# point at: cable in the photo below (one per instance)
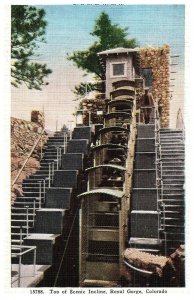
(59, 269)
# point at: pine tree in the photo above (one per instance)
(27, 31)
(108, 36)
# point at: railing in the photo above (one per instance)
(159, 182)
(158, 165)
(29, 155)
(14, 254)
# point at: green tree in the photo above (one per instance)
(27, 31)
(108, 36)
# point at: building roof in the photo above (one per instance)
(134, 51)
(110, 192)
(111, 166)
(118, 50)
(108, 145)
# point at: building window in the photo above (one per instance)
(118, 69)
(147, 75)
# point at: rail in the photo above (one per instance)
(14, 253)
(123, 216)
(29, 155)
(141, 271)
(154, 118)
(159, 168)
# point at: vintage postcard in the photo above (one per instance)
(97, 148)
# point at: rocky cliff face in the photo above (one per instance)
(24, 135)
(158, 59)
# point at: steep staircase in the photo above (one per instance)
(24, 209)
(46, 216)
(172, 202)
(144, 214)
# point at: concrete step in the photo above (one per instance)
(170, 130)
(144, 224)
(144, 160)
(20, 209)
(38, 176)
(65, 178)
(28, 198)
(144, 243)
(22, 216)
(173, 221)
(33, 181)
(174, 228)
(49, 220)
(144, 178)
(56, 138)
(46, 161)
(169, 142)
(152, 251)
(37, 193)
(173, 160)
(15, 242)
(33, 184)
(30, 204)
(172, 189)
(42, 172)
(173, 176)
(55, 143)
(17, 222)
(59, 198)
(27, 189)
(173, 172)
(78, 146)
(16, 229)
(171, 138)
(145, 131)
(82, 133)
(50, 156)
(173, 195)
(172, 155)
(174, 214)
(144, 199)
(171, 201)
(173, 151)
(173, 236)
(173, 167)
(42, 242)
(72, 161)
(172, 163)
(145, 145)
(174, 207)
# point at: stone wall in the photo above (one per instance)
(159, 60)
(23, 136)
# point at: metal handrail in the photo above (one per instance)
(159, 176)
(29, 155)
(137, 269)
(20, 254)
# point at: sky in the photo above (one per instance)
(68, 30)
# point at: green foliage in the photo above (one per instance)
(27, 31)
(108, 36)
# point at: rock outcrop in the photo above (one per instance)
(158, 59)
(24, 135)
